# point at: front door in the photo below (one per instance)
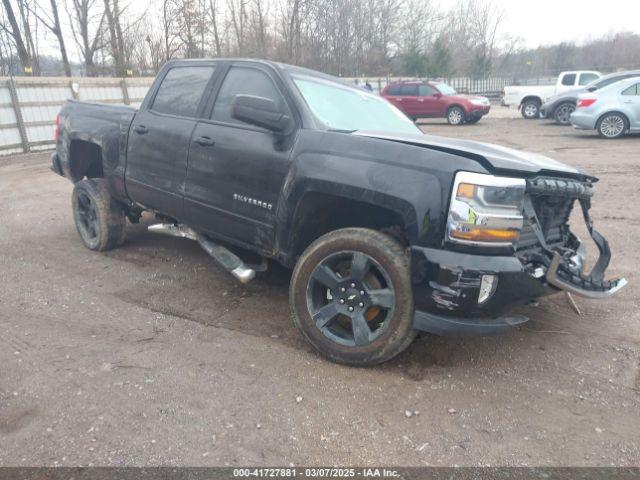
(160, 137)
(429, 102)
(235, 170)
(631, 100)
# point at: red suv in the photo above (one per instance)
(436, 100)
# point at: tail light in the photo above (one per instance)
(57, 134)
(585, 102)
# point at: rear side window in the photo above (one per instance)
(181, 91)
(426, 90)
(587, 78)
(244, 81)
(394, 90)
(609, 81)
(632, 90)
(569, 79)
(409, 90)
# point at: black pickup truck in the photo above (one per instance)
(388, 231)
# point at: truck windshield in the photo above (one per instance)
(341, 107)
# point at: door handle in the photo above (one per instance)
(421, 99)
(141, 129)
(628, 101)
(399, 99)
(205, 141)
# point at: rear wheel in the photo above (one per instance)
(455, 116)
(99, 218)
(563, 113)
(351, 296)
(612, 125)
(530, 109)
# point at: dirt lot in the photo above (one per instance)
(151, 355)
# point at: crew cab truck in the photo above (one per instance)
(388, 231)
(529, 99)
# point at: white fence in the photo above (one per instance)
(29, 105)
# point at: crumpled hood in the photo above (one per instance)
(498, 157)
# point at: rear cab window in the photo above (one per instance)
(181, 90)
(569, 79)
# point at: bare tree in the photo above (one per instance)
(21, 37)
(87, 19)
(52, 22)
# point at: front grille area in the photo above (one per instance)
(553, 199)
(553, 214)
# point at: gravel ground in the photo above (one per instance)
(151, 355)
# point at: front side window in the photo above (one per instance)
(181, 91)
(426, 91)
(569, 79)
(244, 81)
(586, 78)
(341, 107)
(632, 90)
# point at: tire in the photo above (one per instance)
(612, 125)
(530, 109)
(455, 116)
(473, 120)
(563, 112)
(379, 296)
(99, 218)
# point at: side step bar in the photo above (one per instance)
(227, 259)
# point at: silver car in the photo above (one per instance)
(612, 111)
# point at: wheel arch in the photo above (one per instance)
(322, 210)
(534, 98)
(85, 159)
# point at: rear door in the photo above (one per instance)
(236, 171)
(409, 98)
(393, 94)
(631, 101)
(160, 138)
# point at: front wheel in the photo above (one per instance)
(455, 116)
(563, 113)
(612, 125)
(351, 296)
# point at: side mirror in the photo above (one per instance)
(592, 89)
(437, 95)
(262, 112)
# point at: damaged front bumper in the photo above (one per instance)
(461, 294)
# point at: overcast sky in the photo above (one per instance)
(537, 22)
(542, 22)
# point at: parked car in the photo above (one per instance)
(529, 99)
(561, 106)
(388, 231)
(419, 99)
(612, 111)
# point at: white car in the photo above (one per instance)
(612, 111)
(528, 99)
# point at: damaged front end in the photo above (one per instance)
(558, 252)
(509, 242)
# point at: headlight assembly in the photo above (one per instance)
(485, 210)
